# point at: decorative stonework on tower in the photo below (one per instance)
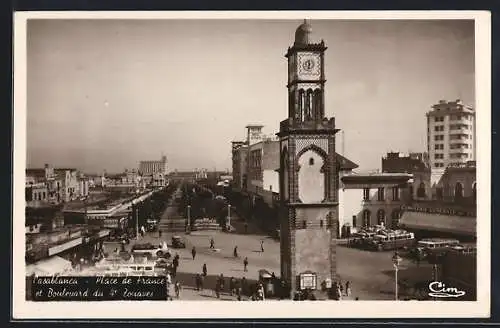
(308, 171)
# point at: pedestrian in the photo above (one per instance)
(202, 281)
(244, 285)
(177, 289)
(197, 280)
(232, 287)
(175, 265)
(238, 294)
(217, 289)
(204, 269)
(169, 279)
(341, 286)
(262, 246)
(193, 252)
(339, 292)
(245, 264)
(356, 299)
(246, 227)
(212, 243)
(222, 282)
(348, 288)
(159, 233)
(235, 252)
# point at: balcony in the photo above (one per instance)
(325, 126)
(464, 151)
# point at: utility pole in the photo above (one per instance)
(136, 222)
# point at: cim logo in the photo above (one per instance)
(439, 290)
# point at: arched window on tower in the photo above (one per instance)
(294, 111)
(317, 105)
(309, 103)
(301, 108)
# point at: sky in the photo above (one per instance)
(106, 94)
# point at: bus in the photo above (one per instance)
(436, 243)
(392, 240)
(428, 246)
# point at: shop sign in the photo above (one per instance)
(439, 210)
(308, 280)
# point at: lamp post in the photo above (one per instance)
(396, 260)
(189, 217)
(229, 215)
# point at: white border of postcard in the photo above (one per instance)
(23, 309)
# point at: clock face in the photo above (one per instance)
(309, 65)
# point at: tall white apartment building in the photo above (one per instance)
(451, 134)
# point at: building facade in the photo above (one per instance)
(151, 167)
(451, 140)
(61, 184)
(373, 199)
(308, 172)
(238, 156)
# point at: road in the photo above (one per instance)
(371, 274)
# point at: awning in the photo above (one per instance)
(460, 225)
(49, 267)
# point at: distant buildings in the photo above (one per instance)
(151, 167)
(154, 172)
(397, 162)
(451, 140)
(50, 185)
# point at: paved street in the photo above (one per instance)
(370, 273)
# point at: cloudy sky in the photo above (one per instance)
(105, 94)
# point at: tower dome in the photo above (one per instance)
(303, 34)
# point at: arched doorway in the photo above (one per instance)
(366, 218)
(459, 191)
(395, 216)
(381, 217)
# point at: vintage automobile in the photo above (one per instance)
(150, 251)
(163, 263)
(178, 242)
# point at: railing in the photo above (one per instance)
(290, 125)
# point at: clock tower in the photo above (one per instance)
(308, 172)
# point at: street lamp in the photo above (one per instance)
(396, 260)
(229, 215)
(189, 217)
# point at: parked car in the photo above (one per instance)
(178, 242)
(150, 251)
(163, 263)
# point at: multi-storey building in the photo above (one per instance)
(150, 167)
(238, 152)
(450, 134)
